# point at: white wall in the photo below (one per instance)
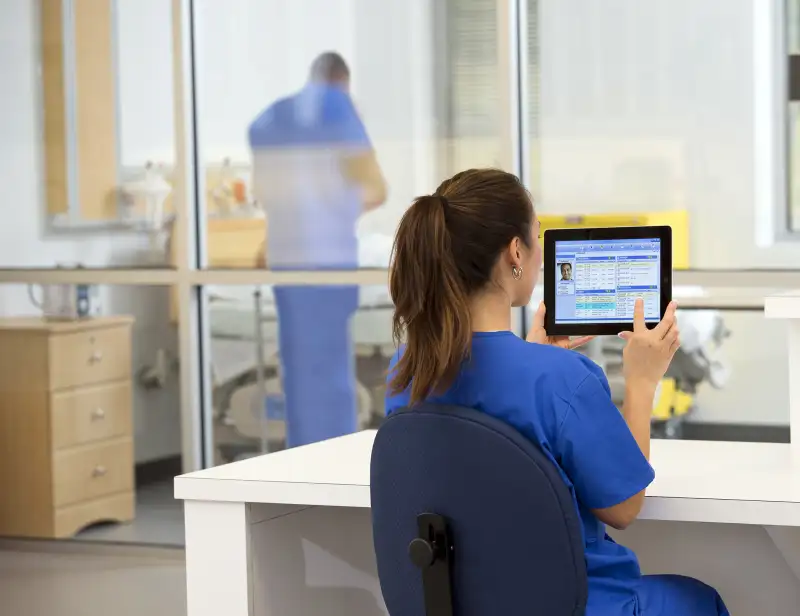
(145, 81)
(649, 106)
(25, 242)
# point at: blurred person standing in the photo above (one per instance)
(315, 173)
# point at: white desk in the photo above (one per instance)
(290, 533)
(787, 307)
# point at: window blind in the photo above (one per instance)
(473, 76)
(472, 27)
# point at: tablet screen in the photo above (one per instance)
(598, 281)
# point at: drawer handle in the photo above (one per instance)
(99, 471)
(98, 414)
(96, 357)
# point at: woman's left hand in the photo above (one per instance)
(537, 335)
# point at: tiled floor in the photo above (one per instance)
(84, 584)
(159, 520)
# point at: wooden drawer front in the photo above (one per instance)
(89, 357)
(92, 471)
(115, 508)
(94, 414)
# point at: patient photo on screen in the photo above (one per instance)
(566, 283)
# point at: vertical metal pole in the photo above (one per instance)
(261, 378)
(508, 66)
(196, 408)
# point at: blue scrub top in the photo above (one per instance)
(561, 401)
(298, 144)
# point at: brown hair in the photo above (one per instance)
(444, 252)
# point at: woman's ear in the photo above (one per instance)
(515, 253)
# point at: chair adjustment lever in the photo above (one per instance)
(432, 552)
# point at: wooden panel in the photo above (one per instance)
(233, 243)
(90, 357)
(53, 93)
(23, 361)
(97, 109)
(26, 503)
(92, 471)
(89, 415)
(116, 508)
(94, 92)
(61, 326)
(236, 242)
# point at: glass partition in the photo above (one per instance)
(728, 381)
(664, 112)
(318, 356)
(324, 120)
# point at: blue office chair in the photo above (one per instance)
(470, 518)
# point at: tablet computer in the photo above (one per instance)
(592, 278)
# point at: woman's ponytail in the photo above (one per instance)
(432, 313)
(446, 252)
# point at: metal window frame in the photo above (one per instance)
(772, 122)
(789, 92)
(190, 278)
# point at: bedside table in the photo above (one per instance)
(66, 433)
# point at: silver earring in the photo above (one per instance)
(516, 272)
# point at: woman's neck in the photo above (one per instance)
(490, 312)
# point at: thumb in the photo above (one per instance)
(625, 335)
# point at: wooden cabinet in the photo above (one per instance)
(66, 433)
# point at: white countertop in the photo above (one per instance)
(783, 306)
(747, 483)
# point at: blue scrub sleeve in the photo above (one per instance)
(352, 133)
(597, 450)
(349, 130)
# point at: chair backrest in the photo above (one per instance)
(518, 544)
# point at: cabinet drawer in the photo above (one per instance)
(117, 507)
(92, 471)
(93, 414)
(88, 357)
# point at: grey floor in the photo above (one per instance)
(102, 572)
(43, 583)
(159, 520)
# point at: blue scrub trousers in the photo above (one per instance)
(318, 361)
(674, 595)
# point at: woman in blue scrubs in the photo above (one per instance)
(463, 257)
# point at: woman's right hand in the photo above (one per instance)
(648, 352)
